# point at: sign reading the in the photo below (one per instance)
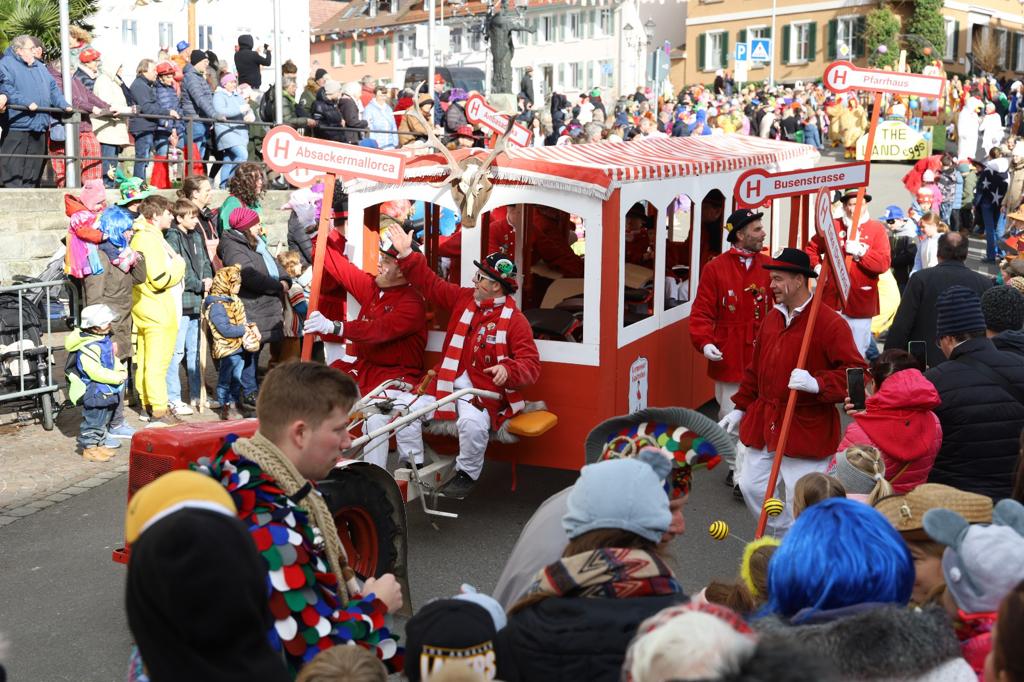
(286, 151)
(827, 227)
(842, 76)
(483, 114)
(761, 50)
(638, 385)
(896, 141)
(757, 186)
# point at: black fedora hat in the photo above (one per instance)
(791, 260)
(852, 194)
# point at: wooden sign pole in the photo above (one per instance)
(319, 255)
(858, 209)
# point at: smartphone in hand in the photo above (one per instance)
(855, 387)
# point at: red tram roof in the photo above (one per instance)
(596, 169)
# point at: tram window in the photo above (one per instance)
(712, 226)
(552, 271)
(436, 229)
(638, 263)
(677, 251)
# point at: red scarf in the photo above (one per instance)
(447, 371)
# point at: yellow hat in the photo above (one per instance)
(174, 490)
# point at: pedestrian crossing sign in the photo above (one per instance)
(761, 49)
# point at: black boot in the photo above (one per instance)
(458, 486)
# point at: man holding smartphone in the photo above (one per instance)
(772, 373)
(732, 300)
(249, 61)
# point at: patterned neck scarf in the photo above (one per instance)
(612, 572)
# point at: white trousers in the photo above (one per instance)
(473, 425)
(376, 451)
(757, 469)
(860, 327)
(724, 391)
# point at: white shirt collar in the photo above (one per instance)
(790, 316)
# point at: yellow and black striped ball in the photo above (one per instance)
(774, 506)
(719, 530)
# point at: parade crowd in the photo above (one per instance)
(895, 545)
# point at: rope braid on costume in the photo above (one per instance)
(261, 450)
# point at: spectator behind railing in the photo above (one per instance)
(86, 102)
(111, 131)
(25, 81)
(197, 98)
(144, 129)
(231, 138)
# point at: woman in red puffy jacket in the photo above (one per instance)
(899, 421)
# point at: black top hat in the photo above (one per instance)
(738, 220)
(792, 260)
(500, 268)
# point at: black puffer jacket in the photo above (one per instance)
(261, 293)
(1011, 341)
(568, 639)
(981, 420)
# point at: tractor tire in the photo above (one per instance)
(363, 515)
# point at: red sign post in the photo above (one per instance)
(306, 160)
(757, 186)
(478, 111)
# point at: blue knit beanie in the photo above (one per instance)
(625, 494)
(959, 312)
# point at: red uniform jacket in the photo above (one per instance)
(390, 335)
(863, 301)
(332, 292)
(523, 361)
(728, 313)
(764, 390)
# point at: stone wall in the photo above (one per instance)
(33, 223)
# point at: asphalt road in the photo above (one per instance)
(61, 596)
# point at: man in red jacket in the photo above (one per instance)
(388, 338)
(767, 380)
(731, 302)
(488, 345)
(870, 254)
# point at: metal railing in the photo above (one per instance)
(27, 374)
(186, 161)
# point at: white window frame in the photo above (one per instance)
(166, 31)
(574, 27)
(205, 36)
(606, 22)
(380, 50)
(1019, 37)
(713, 50)
(475, 41)
(130, 32)
(949, 26)
(607, 80)
(455, 38)
(406, 46)
(546, 27)
(796, 31)
(358, 52)
(846, 33)
(338, 54)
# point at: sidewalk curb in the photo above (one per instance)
(9, 515)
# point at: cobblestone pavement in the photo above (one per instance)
(40, 468)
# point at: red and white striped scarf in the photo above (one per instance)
(447, 372)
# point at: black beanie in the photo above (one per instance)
(1003, 308)
(197, 56)
(197, 602)
(958, 312)
(245, 41)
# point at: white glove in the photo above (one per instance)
(731, 421)
(712, 353)
(801, 380)
(856, 249)
(316, 323)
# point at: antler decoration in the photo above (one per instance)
(470, 179)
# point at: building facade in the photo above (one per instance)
(127, 32)
(572, 48)
(812, 34)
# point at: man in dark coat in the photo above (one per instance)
(915, 318)
(982, 412)
(526, 86)
(249, 61)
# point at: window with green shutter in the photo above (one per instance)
(786, 30)
(812, 42)
(830, 46)
(702, 41)
(859, 49)
(741, 37)
(723, 60)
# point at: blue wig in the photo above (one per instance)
(839, 553)
(114, 222)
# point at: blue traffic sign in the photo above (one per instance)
(741, 52)
(761, 49)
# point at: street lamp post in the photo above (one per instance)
(649, 32)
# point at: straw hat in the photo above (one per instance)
(906, 512)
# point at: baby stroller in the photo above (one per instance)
(27, 308)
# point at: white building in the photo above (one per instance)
(127, 31)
